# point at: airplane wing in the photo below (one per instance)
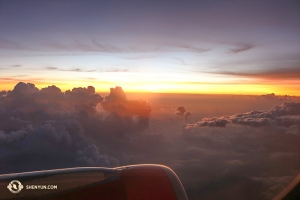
(134, 182)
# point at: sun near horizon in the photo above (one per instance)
(192, 47)
(171, 88)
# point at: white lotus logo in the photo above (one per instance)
(15, 186)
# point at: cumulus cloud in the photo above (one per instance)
(91, 156)
(181, 111)
(288, 114)
(66, 129)
(218, 122)
(273, 96)
(268, 96)
(48, 146)
(135, 112)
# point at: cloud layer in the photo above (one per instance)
(248, 155)
(256, 151)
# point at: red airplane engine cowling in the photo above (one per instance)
(134, 182)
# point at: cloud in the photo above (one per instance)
(232, 153)
(24, 89)
(216, 122)
(41, 124)
(181, 111)
(240, 47)
(91, 156)
(183, 62)
(28, 106)
(7, 44)
(63, 126)
(273, 185)
(69, 70)
(84, 70)
(16, 65)
(117, 70)
(47, 146)
(51, 68)
(95, 46)
(133, 111)
(266, 141)
(268, 96)
(286, 73)
(216, 158)
(142, 57)
(286, 115)
(3, 93)
(194, 49)
(272, 96)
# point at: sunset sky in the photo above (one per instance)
(216, 47)
(209, 88)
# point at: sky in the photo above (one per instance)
(204, 47)
(207, 88)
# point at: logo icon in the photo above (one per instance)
(15, 186)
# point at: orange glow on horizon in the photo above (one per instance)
(179, 88)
